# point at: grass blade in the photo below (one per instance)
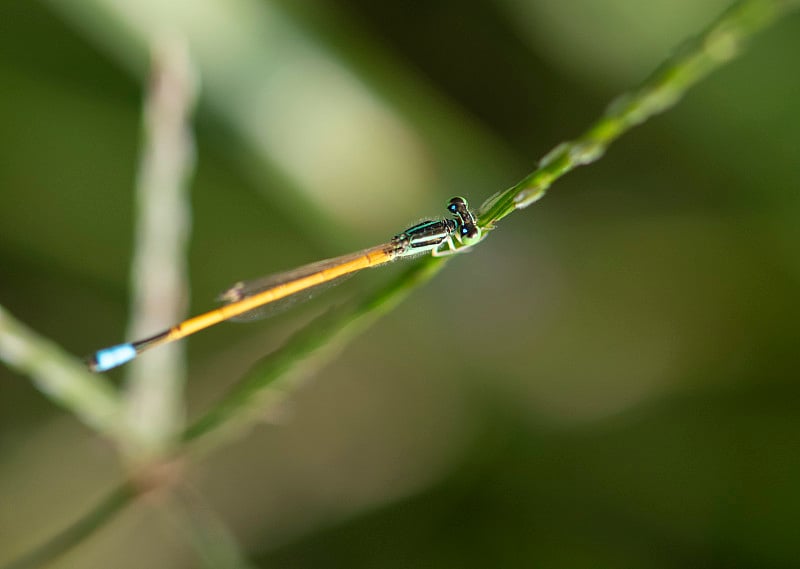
(59, 375)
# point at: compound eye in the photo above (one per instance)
(457, 201)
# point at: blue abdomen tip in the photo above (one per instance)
(112, 357)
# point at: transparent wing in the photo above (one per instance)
(278, 306)
(245, 289)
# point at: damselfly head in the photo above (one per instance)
(467, 226)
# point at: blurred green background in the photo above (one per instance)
(610, 380)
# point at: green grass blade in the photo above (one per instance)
(277, 373)
(104, 512)
(720, 43)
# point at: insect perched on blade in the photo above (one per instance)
(247, 300)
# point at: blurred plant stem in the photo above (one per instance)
(721, 42)
(154, 390)
(96, 519)
(214, 545)
(59, 376)
(270, 379)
